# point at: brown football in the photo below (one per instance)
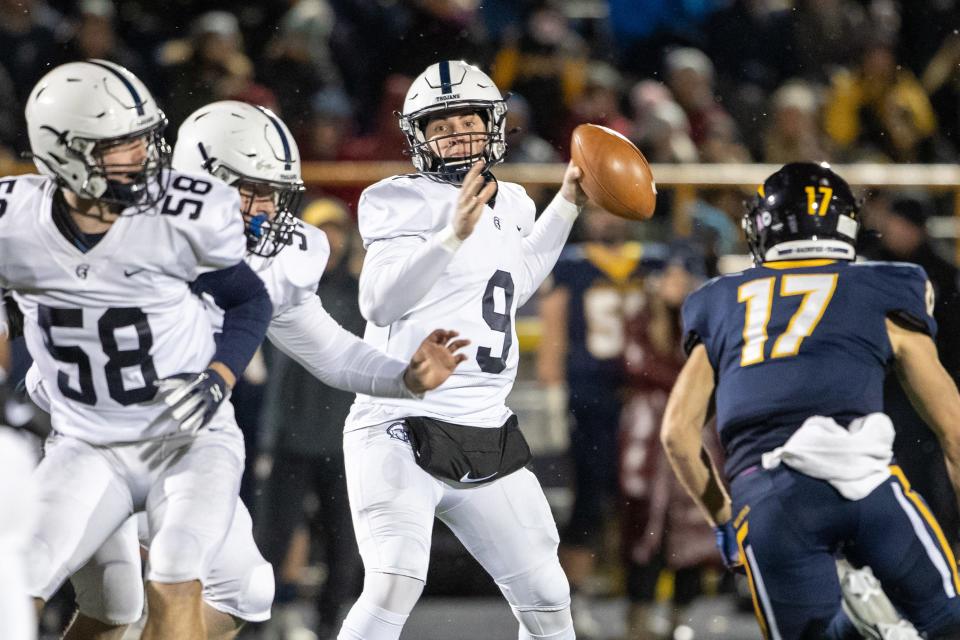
(616, 176)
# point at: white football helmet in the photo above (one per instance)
(79, 108)
(243, 144)
(447, 87)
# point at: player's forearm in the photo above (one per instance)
(396, 277)
(699, 476)
(246, 314)
(681, 435)
(335, 356)
(931, 391)
(544, 244)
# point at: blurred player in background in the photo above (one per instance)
(797, 348)
(450, 243)
(306, 462)
(662, 530)
(250, 149)
(135, 381)
(594, 288)
(16, 515)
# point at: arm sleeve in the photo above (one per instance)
(695, 326)
(908, 297)
(543, 246)
(309, 335)
(398, 273)
(246, 313)
(407, 250)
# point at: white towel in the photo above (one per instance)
(855, 460)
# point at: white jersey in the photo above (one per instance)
(104, 325)
(292, 276)
(303, 329)
(475, 289)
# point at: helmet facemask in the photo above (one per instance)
(427, 154)
(130, 188)
(267, 232)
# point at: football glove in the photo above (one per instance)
(193, 398)
(727, 544)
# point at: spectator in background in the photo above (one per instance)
(662, 132)
(211, 65)
(794, 134)
(661, 528)
(93, 35)
(722, 143)
(838, 29)
(690, 77)
(12, 125)
(546, 63)
(386, 141)
(328, 127)
(941, 81)
(595, 286)
(525, 144)
(304, 419)
(881, 109)
(901, 222)
(646, 94)
(641, 35)
(27, 31)
(751, 43)
(298, 61)
(599, 103)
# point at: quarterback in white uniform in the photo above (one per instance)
(451, 244)
(251, 149)
(100, 252)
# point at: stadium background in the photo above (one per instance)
(717, 93)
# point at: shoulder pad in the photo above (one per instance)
(303, 263)
(393, 208)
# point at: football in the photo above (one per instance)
(616, 176)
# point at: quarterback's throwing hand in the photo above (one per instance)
(570, 189)
(193, 398)
(434, 361)
(475, 193)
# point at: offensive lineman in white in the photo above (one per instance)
(450, 243)
(16, 512)
(251, 149)
(101, 251)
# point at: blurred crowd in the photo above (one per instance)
(707, 80)
(713, 81)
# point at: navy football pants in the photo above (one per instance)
(791, 526)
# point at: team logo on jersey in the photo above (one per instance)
(82, 271)
(398, 431)
(496, 222)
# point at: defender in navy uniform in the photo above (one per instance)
(595, 287)
(796, 349)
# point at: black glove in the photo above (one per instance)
(193, 398)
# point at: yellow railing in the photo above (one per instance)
(683, 179)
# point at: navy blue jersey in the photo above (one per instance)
(806, 338)
(604, 286)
